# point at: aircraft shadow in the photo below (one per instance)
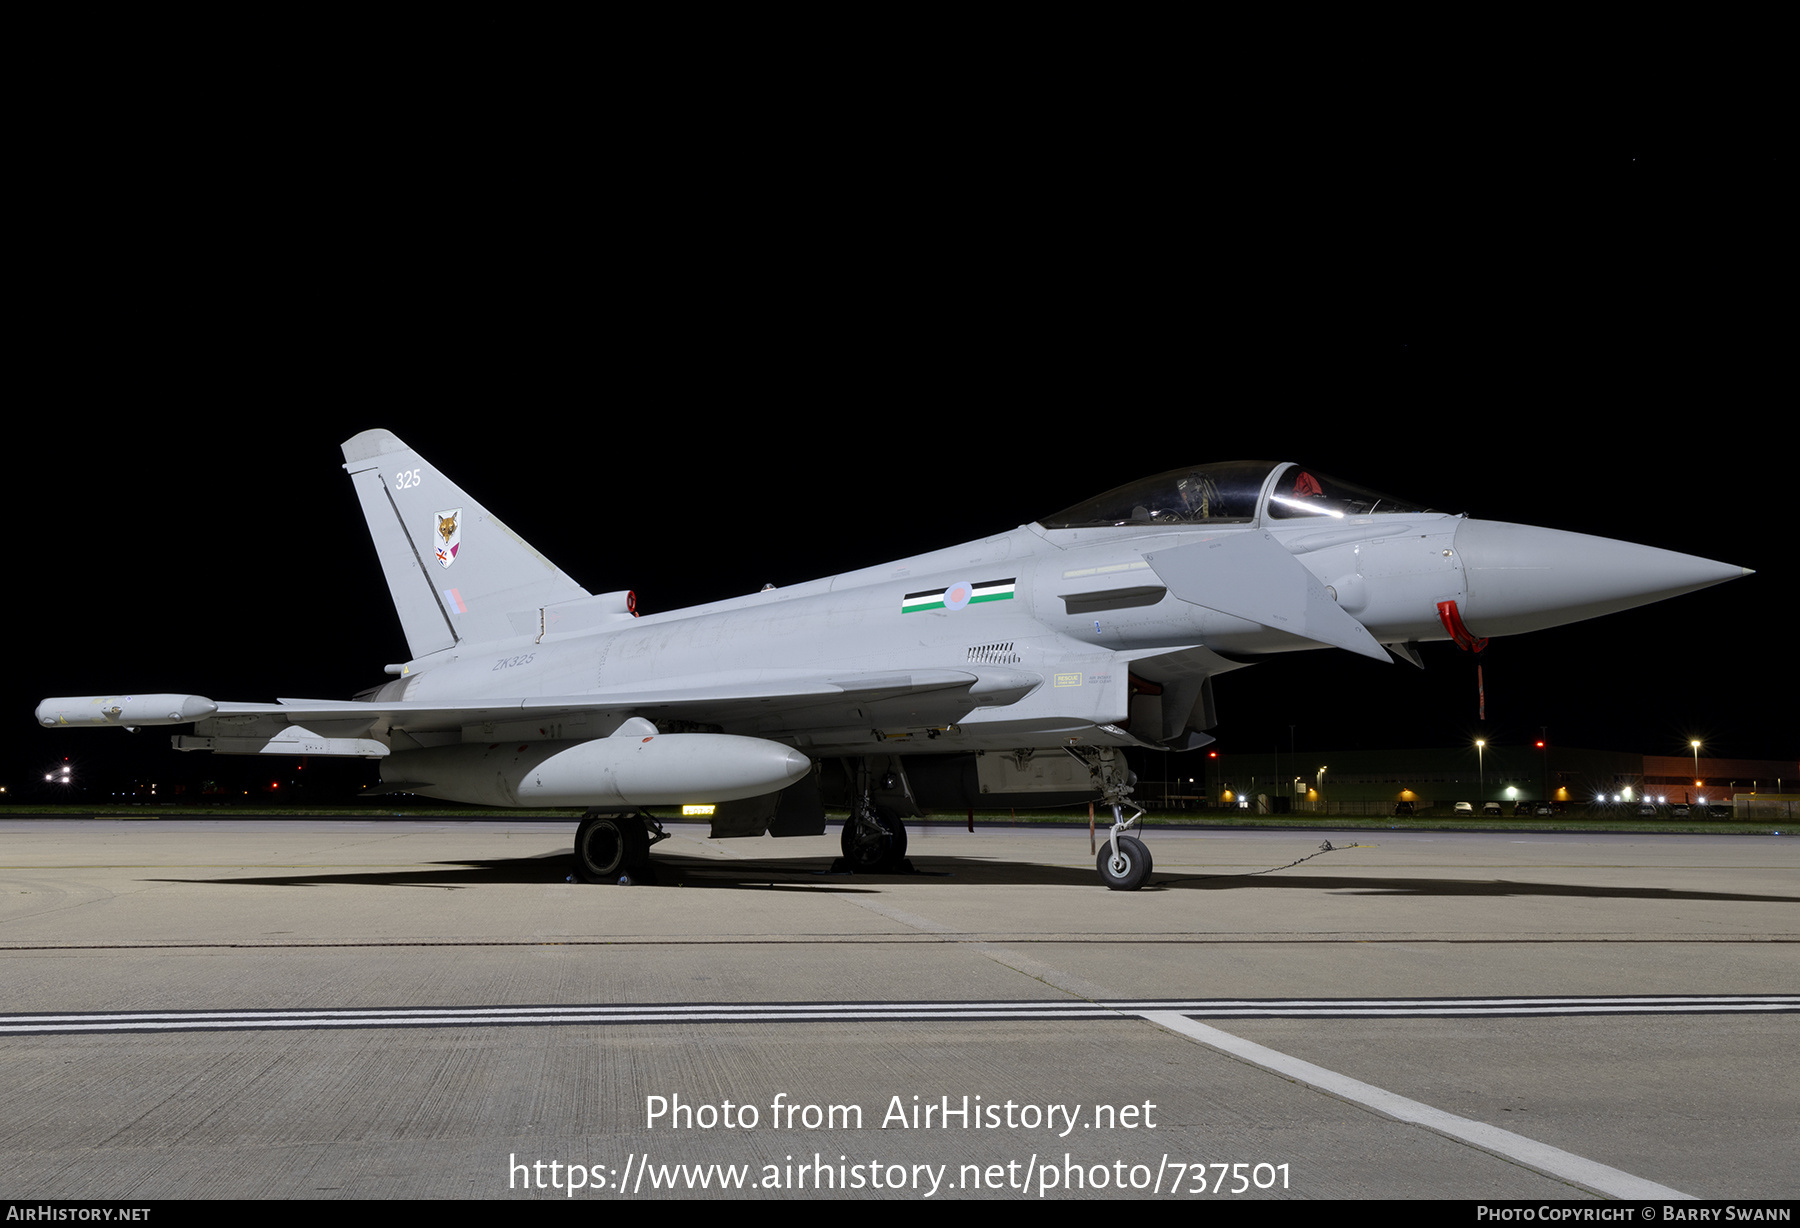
(1495, 888)
(815, 874)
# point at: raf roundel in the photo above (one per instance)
(957, 595)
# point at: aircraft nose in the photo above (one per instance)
(1521, 578)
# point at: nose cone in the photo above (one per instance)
(1521, 578)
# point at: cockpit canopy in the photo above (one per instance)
(1230, 492)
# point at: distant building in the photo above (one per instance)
(1371, 781)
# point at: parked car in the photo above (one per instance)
(1491, 809)
(1680, 811)
(1646, 810)
(1464, 808)
(1543, 808)
(1403, 808)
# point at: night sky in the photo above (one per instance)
(692, 410)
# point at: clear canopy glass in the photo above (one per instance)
(1226, 493)
(1201, 494)
(1307, 492)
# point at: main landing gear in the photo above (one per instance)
(874, 836)
(1124, 863)
(615, 848)
(874, 841)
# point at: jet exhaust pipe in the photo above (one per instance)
(623, 770)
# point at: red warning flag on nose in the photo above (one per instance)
(1465, 639)
(1453, 623)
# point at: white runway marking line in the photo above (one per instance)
(1551, 1161)
(1447, 1008)
(751, 1012)
(1172, 1015)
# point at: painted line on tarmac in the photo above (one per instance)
(1551, 1161)
(1174, 1015)
(565, 1014)
(1440, 1008)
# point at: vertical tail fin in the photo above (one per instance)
(455, 572)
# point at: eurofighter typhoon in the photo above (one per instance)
(1010, 670)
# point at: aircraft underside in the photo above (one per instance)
(879, 793)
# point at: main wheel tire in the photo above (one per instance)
(609, 847)
(1130, 870)
(875, 852)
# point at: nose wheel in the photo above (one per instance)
(1126, 867)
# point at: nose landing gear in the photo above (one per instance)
(1124, 863)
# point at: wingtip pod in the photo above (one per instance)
(124, 710)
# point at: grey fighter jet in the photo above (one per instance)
(1011, 669)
